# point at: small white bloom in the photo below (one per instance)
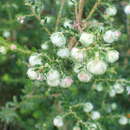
(111, 11)
(58, 121)
(97, 67)
(84, 76)
(6, 34)
(113, 106)
(112, 93)
(63, 53)
(76, 128)
(118, 88)
(109, 36)
(127, 9)
(86, 38)
(33, 75)
(88, 107)
(44, 46)
(3, 50)
(77, 54)
(53, 75)
(112, 56)
(95, 115)
(35, 59)
(53, 78)
(58, 39)
(66, 82)
(99, 87)
(53, 83)
(123, 120)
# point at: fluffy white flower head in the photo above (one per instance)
(6, 34)
(33, 75)
(127, 9)
(123, 120)
(109, 36)
(97, 67)
(86, 38)
(77, 54)
(95, 115)
(58, 121)
(63, 53)
(58, 39)
(53, 78)
(84, 76)
(66, 82)
(44, 46)
(3, 50)
(35, 59)
(112, 93)
(111, 11)
(118, 88)
(112, 56)
(88, 107)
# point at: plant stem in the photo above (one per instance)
(93, 9)
(59, 15)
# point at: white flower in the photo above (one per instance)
(84, 76)
(53, 75)
(111, 11)
(32, 74)
(3, 50)
(53, 78)
(99, 87)
(44, 46)
(118, 88)
(95, 115)
(68, 23)
(58, 39)
(88, 107)
(112, 93)
(35, 59)
(63, 52)
(127, 9)
(123, 120)
(6, 34)
(97, 67)
(76, 128)
(113, 106)
(86, 38)
(66, 82)
(53, 83)
(77, 54)
(112, 56)
(58, 121)
(109, 36)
